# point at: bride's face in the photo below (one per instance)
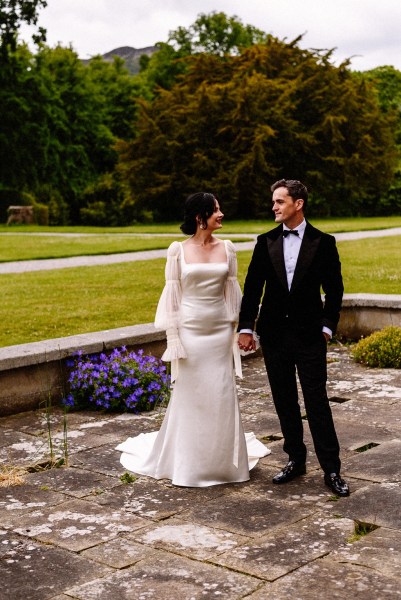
(214, 221)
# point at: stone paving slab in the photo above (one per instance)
(379, 550)
(120, 552)
(354, 438)
(76, 525)
(116, 430)
(382, 463)
(157, 500)
(124, 425)
(325, 578)
(387, 416)
(35, 423)
(73, 482)
(168, 577)
(274, 556)
(20, 449)
(21, 499)
(33, 571)
(25, 449)
(263, 423)
(252, 517)
(190, 539)
(377, 504)
(104, 460)
(80, 439)
(381, 386)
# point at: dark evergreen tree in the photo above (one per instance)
(234, 124)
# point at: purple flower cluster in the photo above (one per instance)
(128, 381)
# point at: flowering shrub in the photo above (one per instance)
(380, 349)
(118, 381)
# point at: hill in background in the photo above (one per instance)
(130, 55)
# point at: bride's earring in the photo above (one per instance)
(201, 226)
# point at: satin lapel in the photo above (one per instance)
(276, 253)
(305, 257)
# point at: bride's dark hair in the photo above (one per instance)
(198, 208)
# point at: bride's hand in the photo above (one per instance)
(246, 342)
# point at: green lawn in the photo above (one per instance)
(372, 265)
(49, 304)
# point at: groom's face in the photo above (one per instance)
(286, 209)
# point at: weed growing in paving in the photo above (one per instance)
(360, 530)
(127, 478)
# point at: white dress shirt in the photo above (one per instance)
(291, 247)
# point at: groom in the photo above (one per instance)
(289, 267)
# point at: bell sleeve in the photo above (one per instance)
(233, 297)
(168, 308)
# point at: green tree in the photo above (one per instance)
(13, 13)
(386, 81)
(76, 143)
(234, 124)
(213, 33)
(116, 92)
(216, 33)
(162, 69)
(18, 129)
(60, 122)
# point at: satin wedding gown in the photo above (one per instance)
(201, 441)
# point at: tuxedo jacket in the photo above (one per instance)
(301, 308)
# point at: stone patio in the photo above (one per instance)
(80, 532)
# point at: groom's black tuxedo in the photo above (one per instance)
(301, 308)
(290, 326)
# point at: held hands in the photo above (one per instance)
(246, 342)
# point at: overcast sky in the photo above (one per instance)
(367, 30)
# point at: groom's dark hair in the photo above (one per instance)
(296, 189)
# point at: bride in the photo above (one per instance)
(201, 441)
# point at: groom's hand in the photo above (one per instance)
(246, 342)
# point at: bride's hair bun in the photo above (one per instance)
(198, 208)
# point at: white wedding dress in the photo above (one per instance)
(201, 441)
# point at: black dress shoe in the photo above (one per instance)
(337, 485)
(291, 470)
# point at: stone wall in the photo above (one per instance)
(32, 373)
(362, 314)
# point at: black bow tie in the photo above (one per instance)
(288, 231)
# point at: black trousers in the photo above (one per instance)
(283, 359)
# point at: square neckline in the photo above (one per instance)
(220, 262)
